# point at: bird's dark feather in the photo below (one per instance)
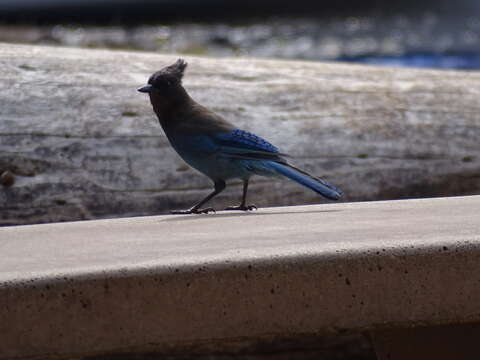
(214, 146)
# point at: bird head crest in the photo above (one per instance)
(169, 76)
(177, 68)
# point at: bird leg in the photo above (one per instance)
(195, 209)
(243, 205)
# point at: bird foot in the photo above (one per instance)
(242, 207)
(193, 211)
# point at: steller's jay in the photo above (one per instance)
(214, 146)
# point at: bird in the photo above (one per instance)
(214, 146)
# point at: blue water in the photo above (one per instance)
(439, 37)
(422, 60)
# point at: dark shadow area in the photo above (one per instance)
(224, 214)
(308, 347)
(111, 12)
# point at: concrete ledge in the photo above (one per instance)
(172, 282)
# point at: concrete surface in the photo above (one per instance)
(187, 282)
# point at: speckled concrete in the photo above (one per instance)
(163, 282)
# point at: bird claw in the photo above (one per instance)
(242, 207)
(193, 211)
(204, 211)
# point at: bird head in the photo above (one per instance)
(166, 79)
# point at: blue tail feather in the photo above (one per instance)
(319, 186)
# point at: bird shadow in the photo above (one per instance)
(223, 214)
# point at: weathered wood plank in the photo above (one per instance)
(81, 143)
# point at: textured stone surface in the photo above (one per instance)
(81, 143)
(220, 282)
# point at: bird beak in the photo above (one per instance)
(146, 89)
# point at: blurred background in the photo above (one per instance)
(436, 34)
(394, 128)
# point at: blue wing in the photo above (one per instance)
(245, 140)
(243, 144)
